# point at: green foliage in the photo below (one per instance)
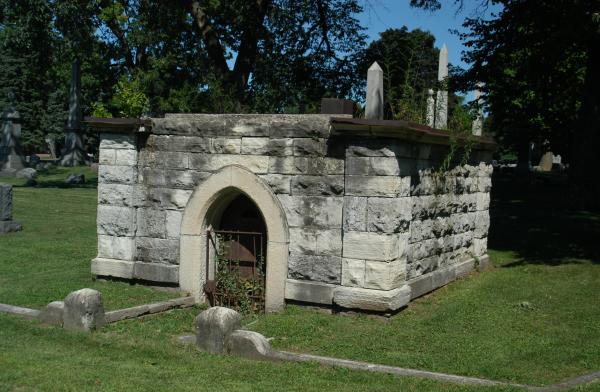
(129, 99)
(99, 110)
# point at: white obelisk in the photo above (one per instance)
(441, 104)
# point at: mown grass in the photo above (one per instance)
(51, 256)
(534, 319)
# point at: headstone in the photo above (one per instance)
(546, 162)
(75, 179)
(213, 327)
(7, 225)
(478, 122)
(53, 313)
(441, 107)
(83, 311)
(430, 109)
(248, 344)
(11, 155)
(374, 108)
(73, 154)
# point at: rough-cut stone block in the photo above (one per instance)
(248, 344)
(168, 198)
(111, 247)
(255, 163)
(111, 267)
(371, 246)
(317, 185)
(353, 272)
(266, 146)
(157, 250)
(279, 183)
(117, 141)
(389, 215)
(178, 143)
(119, 195)
(383, 186)
(382, 148)
(483, 201)
(323, 166)
(480, 246)
(151, 223)
(374, 300)
(326, 269)
(53, 313)
(380, 166)
(155, 272)
(484, 184)
(117, 174)
(355, 213)
(312, 292)
(173, 223)
(310, 147)
(288, 165)
(126, 157)
(317, 211)
(213, 327)
(117, 221)
(187, 179)
(83, 311)
(226, 146)
(107, 156)
(384, 275)
(482, 224)
(316, 241)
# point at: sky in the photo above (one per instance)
(380, 15)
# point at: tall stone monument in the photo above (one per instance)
(430, 119)
(11, 154)
(73, 153)
(374, 109)
(7, 224)
(478, 122)
(441, 107)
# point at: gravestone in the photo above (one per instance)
(73, 154)
(441, 107)
(374, 108)
(213, 327)
(7, 225)
(83, 311)
(11, 155)
(546, 162)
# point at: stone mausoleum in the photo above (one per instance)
(355, 213)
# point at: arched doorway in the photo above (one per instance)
(236, 256)
(204, 212)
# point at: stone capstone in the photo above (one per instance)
(83, 310)
(213, 327)
(248, 344)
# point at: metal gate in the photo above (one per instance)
(237, 279)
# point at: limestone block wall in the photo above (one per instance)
(367, 216)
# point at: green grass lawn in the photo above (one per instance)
(51, 256)
(534, 319)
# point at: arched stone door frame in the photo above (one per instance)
(206, 199)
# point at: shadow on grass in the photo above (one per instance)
(55, 178)
(532, 218)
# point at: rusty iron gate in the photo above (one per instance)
(238, 262)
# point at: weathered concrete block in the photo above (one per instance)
(116, 221)
(384, 275)
(151, 223)
(312, 211)
(83, 311)
(248, 344)
(389, 215)
(383, 186)
(226, 146)
(317, 185)
(213, 327)
(355, 213)
(310, 147)
(371, 246)
(117, 141)
(256, 163)
(353, 272)
(112, 247)
(117, 174)
(374, 300)
(157, 250)
(126, 157)
(267, 146)
(53, 313)
(317, 268)
(279, 183)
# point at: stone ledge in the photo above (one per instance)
(372, 300)
(313, 292)
(151, 272)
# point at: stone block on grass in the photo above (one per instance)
(83, 311)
